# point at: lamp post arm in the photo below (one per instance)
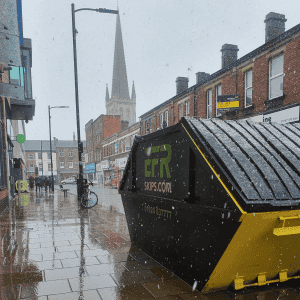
(102, 10)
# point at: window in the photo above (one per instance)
(17, 76)
(40, 167)
(39, 155)
(30, 156)
(48, 155)
(276, 77)
(71, 153)
(166, 118)
(180, 111)
(61, 153)
(248, 88)
(31, 169)
(62, 165)
(187, 108)
(218, 93)
(209, 103)
(161, 120)
(148, 126)
(49, 167)
(70, 165)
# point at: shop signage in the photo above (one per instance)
(282, 117)
(227, 102)
(90, 168)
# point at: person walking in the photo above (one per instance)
(31, 182)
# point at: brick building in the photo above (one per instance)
(96, 131)
(265, 82)
(67, 158)
(115, 153)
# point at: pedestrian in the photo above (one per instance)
(31, 182)
(37, 183)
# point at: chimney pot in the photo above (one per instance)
(182, 84)
(274, 25)
(229, 54)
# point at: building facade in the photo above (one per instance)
(116, 149)
(17, 106)
(264, 83)
(67, 158)
(38, 159)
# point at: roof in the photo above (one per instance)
(68, 144)
(286, 35)
(37, 145)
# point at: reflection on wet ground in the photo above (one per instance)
(52, 249)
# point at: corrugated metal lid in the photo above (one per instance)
(262, 159)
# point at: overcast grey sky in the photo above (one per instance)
(162, 39)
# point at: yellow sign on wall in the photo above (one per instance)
(230, 104)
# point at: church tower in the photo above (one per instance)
(120, 102)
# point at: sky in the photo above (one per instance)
(162, 41)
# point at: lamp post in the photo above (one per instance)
(80, 145)
(52, 181)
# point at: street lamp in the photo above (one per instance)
(80, 145)
(52, 181)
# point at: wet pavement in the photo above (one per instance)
(53, 249)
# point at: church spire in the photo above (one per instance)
(107, 94)
(133, 96)
(119, 82)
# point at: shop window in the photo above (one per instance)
(276, 77)
(209, 103)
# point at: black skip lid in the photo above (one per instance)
(238, 175)
(265, 151)
(257, 160)
(244, 162)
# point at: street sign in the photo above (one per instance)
(228, 102)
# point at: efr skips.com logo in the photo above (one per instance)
(158, 168)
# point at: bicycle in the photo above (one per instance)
(88, 199)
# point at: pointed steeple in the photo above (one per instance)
(107, 94)
(119, 82)
(133, 96)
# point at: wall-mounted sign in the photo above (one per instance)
(228, 102)
(281, 117)
(90, 168)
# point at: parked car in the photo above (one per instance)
(70, 180)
